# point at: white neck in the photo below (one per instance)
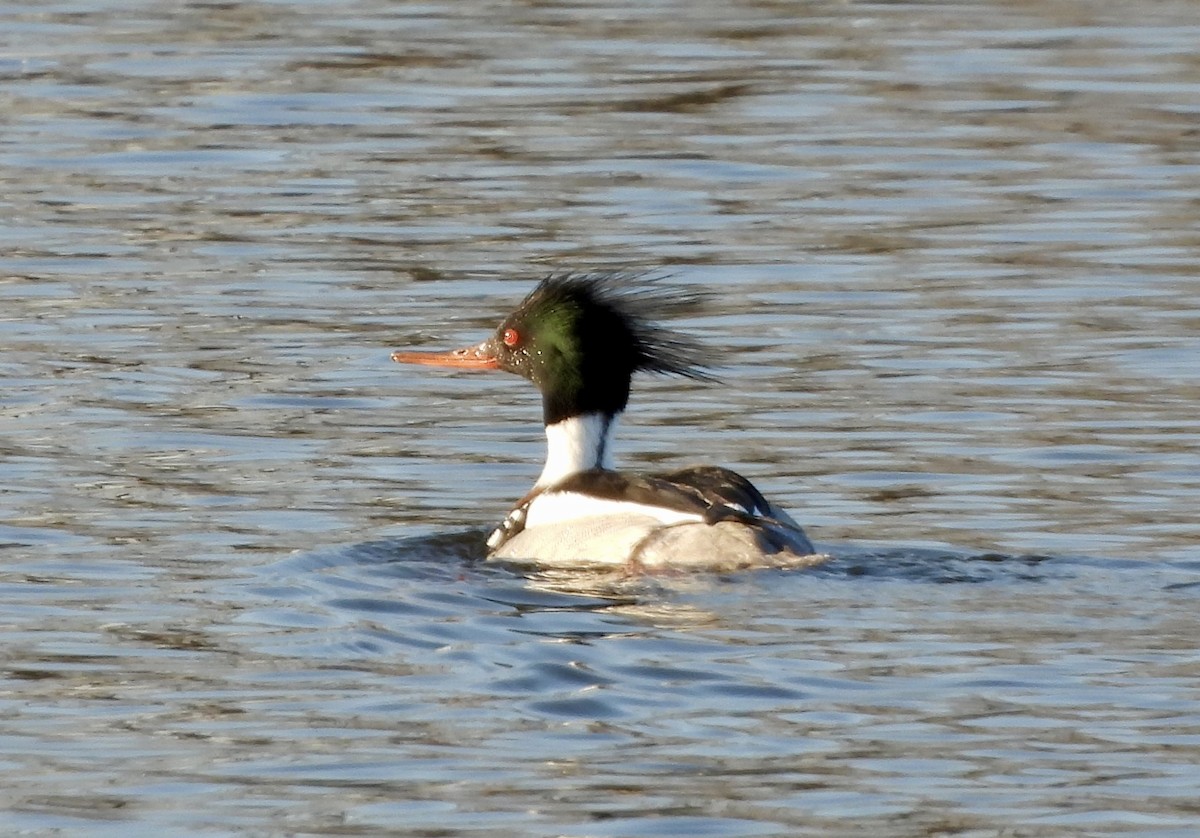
(577, 444)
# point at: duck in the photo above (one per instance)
(580, 338)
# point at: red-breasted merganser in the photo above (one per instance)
(580, 339)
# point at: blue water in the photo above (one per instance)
(949, 256)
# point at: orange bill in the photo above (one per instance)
(481, 357)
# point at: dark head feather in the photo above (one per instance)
(580, 338)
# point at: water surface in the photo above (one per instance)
(950, 257)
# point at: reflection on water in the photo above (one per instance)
(950, 252)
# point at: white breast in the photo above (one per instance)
(579, 543)
(551, 508)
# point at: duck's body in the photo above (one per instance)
(703, 516)
(580, 339)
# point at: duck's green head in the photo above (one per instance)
(580, 338)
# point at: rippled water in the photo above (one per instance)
(950, 252)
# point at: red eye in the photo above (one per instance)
(511, 337)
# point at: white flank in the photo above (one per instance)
(557, 507)
(577, 444)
